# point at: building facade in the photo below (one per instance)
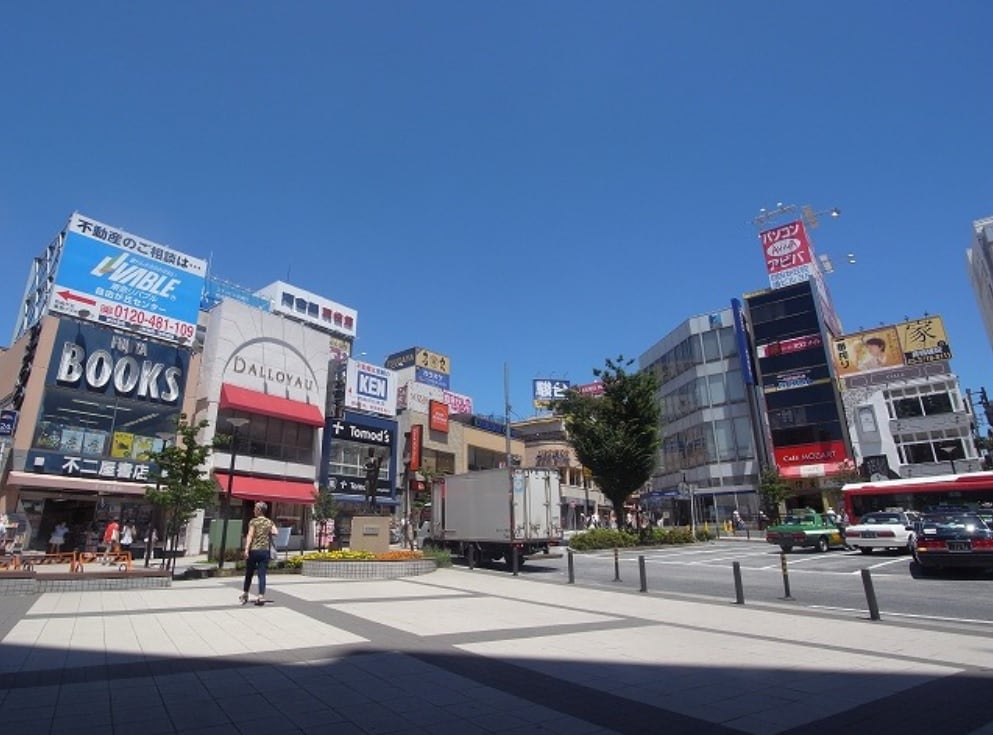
(979, 259)
(708, 435)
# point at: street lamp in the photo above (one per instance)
(236, 423)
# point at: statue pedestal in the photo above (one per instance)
(370, 533)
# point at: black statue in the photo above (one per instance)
(371, 478)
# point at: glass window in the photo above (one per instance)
(717, 395)
(743, 437)
(906, 408)
(918, 453)
(735, 386)
(269, 437)
(937, 403)
(729, 346)
(711, 347)
(949, 449)
(725, 440)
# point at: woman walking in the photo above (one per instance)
(260, 533)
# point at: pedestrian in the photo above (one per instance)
(128, 533)
(261, 532)
(111, 540)
(57, 538)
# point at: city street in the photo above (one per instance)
(830, 581)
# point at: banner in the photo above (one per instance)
(111, 277)
(875, 349)
(924, 340)
(438, 416)
(788, 258)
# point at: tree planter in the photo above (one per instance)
(368, 569)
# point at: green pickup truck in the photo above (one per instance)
(806, 529)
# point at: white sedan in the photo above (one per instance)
(882, 530)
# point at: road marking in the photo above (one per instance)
(942, 618)
(889, 561)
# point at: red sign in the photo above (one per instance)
(786, 247)
(438, 416)
(811, 460)
(589, 389)
(415, 440)
(790, 345)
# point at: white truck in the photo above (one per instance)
(471, 514)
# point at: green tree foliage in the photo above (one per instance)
(774, 490)
(615, 435)
(325, 510)
(182, 480)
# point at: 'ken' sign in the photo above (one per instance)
(372, 386)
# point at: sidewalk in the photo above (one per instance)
(464, 652)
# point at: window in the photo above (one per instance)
(711, 347)
(917, 453)
(743, 437)
(735, 386)
(725, 440)
(717, 394)
(270, 437)
(729, 345)
(937, 403)
(434, 461)
(906, 408)
(485, 459)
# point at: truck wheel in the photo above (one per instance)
(865, 549)
(822, 544)
(787, 548)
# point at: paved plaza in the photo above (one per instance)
(464, 652)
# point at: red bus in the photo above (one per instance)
(918, 493)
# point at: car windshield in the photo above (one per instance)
(875, 519)
(967, 521)
(794, 520)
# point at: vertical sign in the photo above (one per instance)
(416, 435)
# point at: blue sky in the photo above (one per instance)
(538, 184)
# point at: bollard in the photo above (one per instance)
(515, 561)
(870, 594)
(471, 556)
(641, 573)
(786, 576)
(748, 533)
(617, 566)
(739, 589)
(572, 568)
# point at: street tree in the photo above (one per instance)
(325, 511)
(182, 480)
(616, 435)
(774, 490)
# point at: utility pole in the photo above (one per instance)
(510, 464)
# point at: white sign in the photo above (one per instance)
(419, 395)
(458, 403)
(371, 388)
(290, 300)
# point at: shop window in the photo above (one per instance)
(269, 437)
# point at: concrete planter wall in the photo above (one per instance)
(368, 569)
(30, 583)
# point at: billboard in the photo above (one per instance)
(788, 256)
(433, 361)
(216, 289)
(589, 389)
(438, 416)
(370, 388)
(875, 349)
(418, 396)
(284, 298)
(431, 377)
(457, 403)
(741, 340)
(789, 346)
(347, 443)
(811, 460)
(546, 390)
(108, 398)
(924, 340)
(111, 277)
(402, 359)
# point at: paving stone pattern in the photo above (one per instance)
(463, 652)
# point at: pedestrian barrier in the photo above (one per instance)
(739, 588)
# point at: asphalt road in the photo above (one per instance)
(824, 581)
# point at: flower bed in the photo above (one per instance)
(364, 564)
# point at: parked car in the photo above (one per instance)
(952, 540)
(882, 530)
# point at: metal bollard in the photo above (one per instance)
(572, 568)
(471, 556)
(870, 594)
(641, 572)
(786, 576)
(739, 588)
(516, 562)
(617, 566)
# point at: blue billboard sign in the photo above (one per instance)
(8, 422)
(741, 338)
(431, 377)
(215, 289)
(109, 277)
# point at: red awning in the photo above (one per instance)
(251, 401)
(268, 488)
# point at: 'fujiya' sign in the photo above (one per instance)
(116, 364)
